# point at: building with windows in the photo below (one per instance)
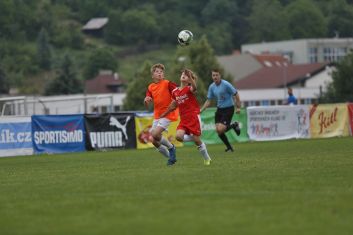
(304, 51)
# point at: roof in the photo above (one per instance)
(95, 23)
(104, 83)
(269, 60)
(279, 76)
(239, 65)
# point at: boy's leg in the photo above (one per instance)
(203, 150)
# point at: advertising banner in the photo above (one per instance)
(329, 120)
(350, 111)
(143, 122)
(110, 131)
(58, 133)
(15, 136)
(278, 122)
(209, 134)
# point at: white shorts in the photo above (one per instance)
(162, 122)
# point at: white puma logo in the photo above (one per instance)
(115, 122)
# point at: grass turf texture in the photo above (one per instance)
(283, 187)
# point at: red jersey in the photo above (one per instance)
(186, 101)
(189, 110)
(161, 94)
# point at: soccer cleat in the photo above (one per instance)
(172, 154)
(207, 162)
(171, 162)
(236, 128)
(230, 149)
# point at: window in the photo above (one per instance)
(334, 54)
(313, 54)
(265, 102)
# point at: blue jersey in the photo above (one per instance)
(223, 92)
(292, 100)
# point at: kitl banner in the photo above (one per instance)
(58, 133)
(15, 136)
(350, 111)
(143, 122)
(329, 120)
(110, 131)
(209, 134)
(278, 122)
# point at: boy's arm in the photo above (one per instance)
(148, 99)
(205, 105)
(172, 106)
(193, 85)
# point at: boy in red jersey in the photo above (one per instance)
(159, 92)
(190, 124)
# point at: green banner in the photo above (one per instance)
(209, 134)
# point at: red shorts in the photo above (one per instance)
(191, 124)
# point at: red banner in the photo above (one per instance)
(350, 111)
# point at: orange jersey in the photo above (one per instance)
(161, 94)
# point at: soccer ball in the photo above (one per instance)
(185, 37)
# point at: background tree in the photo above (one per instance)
(43, 50)
(66, 82)
(340, 90)
(4, 86)
(305, 20)
(267, 21)
(340, 20)
(136, 90)
(100, 59)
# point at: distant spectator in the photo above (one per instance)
(292, 100)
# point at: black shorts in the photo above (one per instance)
(224, 115)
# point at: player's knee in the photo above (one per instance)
(179, 138)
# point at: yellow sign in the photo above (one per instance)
(143, 134)
(329, 120)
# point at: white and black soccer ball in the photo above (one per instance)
(185, 37)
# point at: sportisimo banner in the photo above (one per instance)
(143, 122)
(15, 136)
(58, 133)
(110, 131)
(278, 122)
(209, 134)
(329, 120)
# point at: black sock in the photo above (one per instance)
(224, 138)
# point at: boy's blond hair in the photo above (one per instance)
(157, 66)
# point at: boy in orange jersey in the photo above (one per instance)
(159, 92)
(190, 124)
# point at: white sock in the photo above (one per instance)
(165, 142)
(203, 150)
(163, 150)
(188, 138)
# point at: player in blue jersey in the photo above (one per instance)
(292, 100)
(227, 96)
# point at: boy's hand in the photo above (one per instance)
(148, 99)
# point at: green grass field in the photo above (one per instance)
(283, 187)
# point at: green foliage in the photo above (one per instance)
(136, 91)
(100, 59)
(140, 21)
(66, 82)
(4, 86)
(43, 50)
(340, 19)
(305, 20)
(267, 21)
(340, 90)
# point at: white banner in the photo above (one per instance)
(15, 136)
(278, 122)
